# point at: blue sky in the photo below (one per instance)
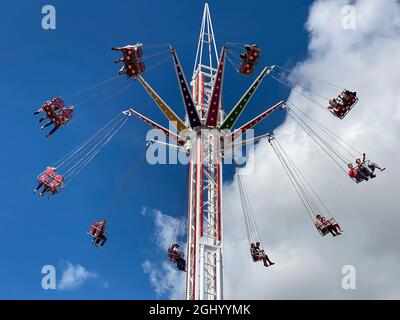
(37, 65)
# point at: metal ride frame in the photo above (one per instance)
(203, 135)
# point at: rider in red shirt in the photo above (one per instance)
(353, 172)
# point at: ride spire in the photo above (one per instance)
(205, 65)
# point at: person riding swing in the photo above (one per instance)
(324, 226)
(98, 232)
(367, 167)
(176, 256)
(259, 254)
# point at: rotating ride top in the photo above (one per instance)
(203, 134)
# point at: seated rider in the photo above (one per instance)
(258, 254)
(348, 97)
(177, 257)
(322, 223)
(357, 174)
(99, 236)
(367, 167)
(333, 223)
(336, 107)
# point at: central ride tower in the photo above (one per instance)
(204, 277)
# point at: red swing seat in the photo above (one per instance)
(323, 230)
(249, 60)
(57, 116)
(55, 184)
(46, 176)
(345, 101)
(133, 61)
(97, 233)
(57, 103)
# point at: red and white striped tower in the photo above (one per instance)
(205, 232)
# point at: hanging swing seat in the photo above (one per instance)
(342, 105)
(46, 176)
(249, 59)
(58, 116)
(358, 180)
(51, 180)
(176, 257)
(96, 232)
(56, 104)
(253, 235)
(363, 172)
(323, 229)
(56, 184)
(132, 60)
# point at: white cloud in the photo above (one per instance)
(165, 279)
(143, 211)
(164, 229)
(74, 276)
(163, 276)
(308, 266)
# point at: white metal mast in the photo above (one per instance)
(205, 234)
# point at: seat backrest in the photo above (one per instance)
(332, 220)
(49, 172)
(58, 103)
(46, 175)
(254, 54)
(53, 184)
(139, 51)
(128, 54)
(59, 178)
(44, 178)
